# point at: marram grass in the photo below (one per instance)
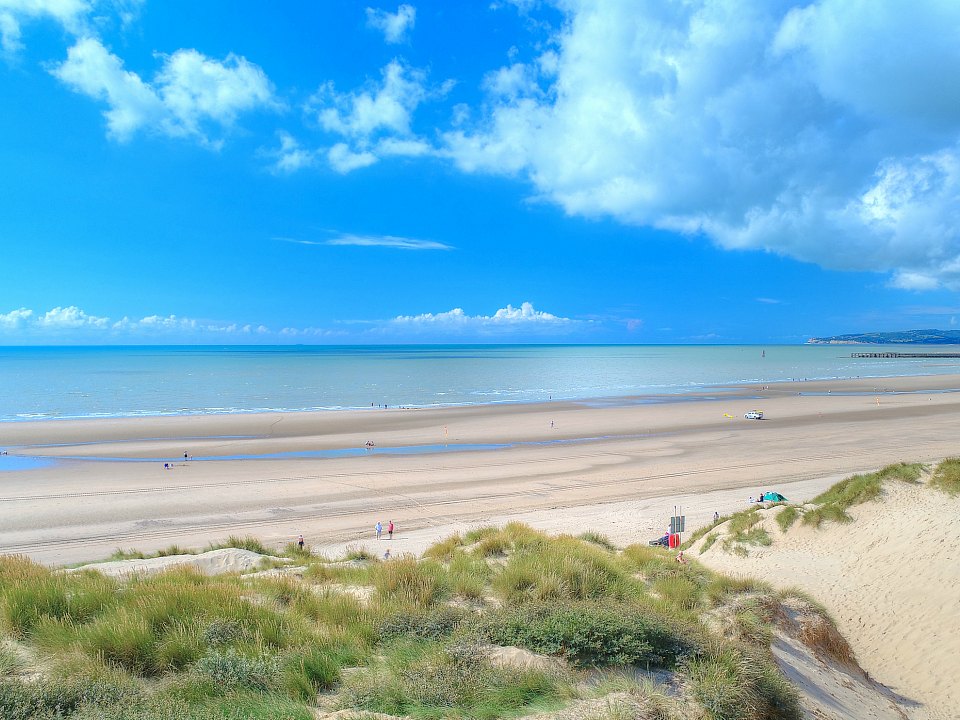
(406, 636)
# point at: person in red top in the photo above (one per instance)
(390, 530)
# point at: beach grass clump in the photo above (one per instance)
(734, 683)
(30, 594)
(468, 576)
(679, 592)
(787, 517)
(454, 680)
(742, 521)
(444, 549)
(247, 542)
(708, 542)
(703, 530)
(832, 505)
(597, 539)
(408, 580)
(567, 568)
(946, 477)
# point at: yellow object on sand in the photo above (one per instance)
(727, 415)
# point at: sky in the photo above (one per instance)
(557, 171)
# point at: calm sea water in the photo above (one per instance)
(57, 382)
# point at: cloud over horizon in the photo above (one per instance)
(795, 130)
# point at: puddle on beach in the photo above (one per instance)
(20, 462)
(352, 452)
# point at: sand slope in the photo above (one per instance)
(214, 562)
(892, 581)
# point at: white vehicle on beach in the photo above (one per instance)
(754, 415)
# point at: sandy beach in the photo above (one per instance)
(617, 468)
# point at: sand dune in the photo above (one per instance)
(891, 579)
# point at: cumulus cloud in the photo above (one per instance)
(375, 121)
(290, 156)
(189, 96)
(73, 323)
(797, 130)
(394, 26)
(70, 317)
(71, 14)
(15, 318)
(504, 321)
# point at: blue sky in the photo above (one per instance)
(507, 171)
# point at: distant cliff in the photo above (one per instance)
(903, 337)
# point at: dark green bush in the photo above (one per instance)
(589, 634)
(427, 624)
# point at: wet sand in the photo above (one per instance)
(107, 486)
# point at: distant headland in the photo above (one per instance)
(902, 337)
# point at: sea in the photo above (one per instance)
(47, 383)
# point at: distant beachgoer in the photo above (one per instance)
(184, 456)
(681, 559)
(751, 500)
(551, 423)
(390, 530)
(166, 466)
(300, 542)
(386, 555)
(716, 516)
(368, 444)
(379, 528)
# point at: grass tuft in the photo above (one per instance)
(787, 517)
(947, 476)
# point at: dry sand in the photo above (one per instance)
(568, 467)
(891, 579)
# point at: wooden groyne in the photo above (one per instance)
(896, 355)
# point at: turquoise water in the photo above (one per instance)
(57, 382)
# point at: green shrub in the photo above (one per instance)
(468, 576)
(450, 681)
(947, 476)
(680, 592)
(425, 624)
(444, 549)
(588, 634)
(10, 662)
(230, 669)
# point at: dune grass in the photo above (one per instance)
(787, 517)
(411, 632)
(833, 504)
(946, 477)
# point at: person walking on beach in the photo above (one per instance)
(300, 542)
(390, 530)
(386, 555)
(379, 528)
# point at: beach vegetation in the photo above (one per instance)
(708, 542)
(946, 476)
(597, 539)
(247, 542)
(413, 637)
(832, 505)
(703, 530)
(787, 517)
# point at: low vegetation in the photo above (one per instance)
(833, 504)
(947, 476)
(404, 637)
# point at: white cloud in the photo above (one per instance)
(800, 131)
(383, 107)
(73, 323)
(70, 14)
(15, 318)
(290, 156)
(394, 26)
(390, 241)
(189, 94)
(343, 159)
(505, 320)
(70, 317)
